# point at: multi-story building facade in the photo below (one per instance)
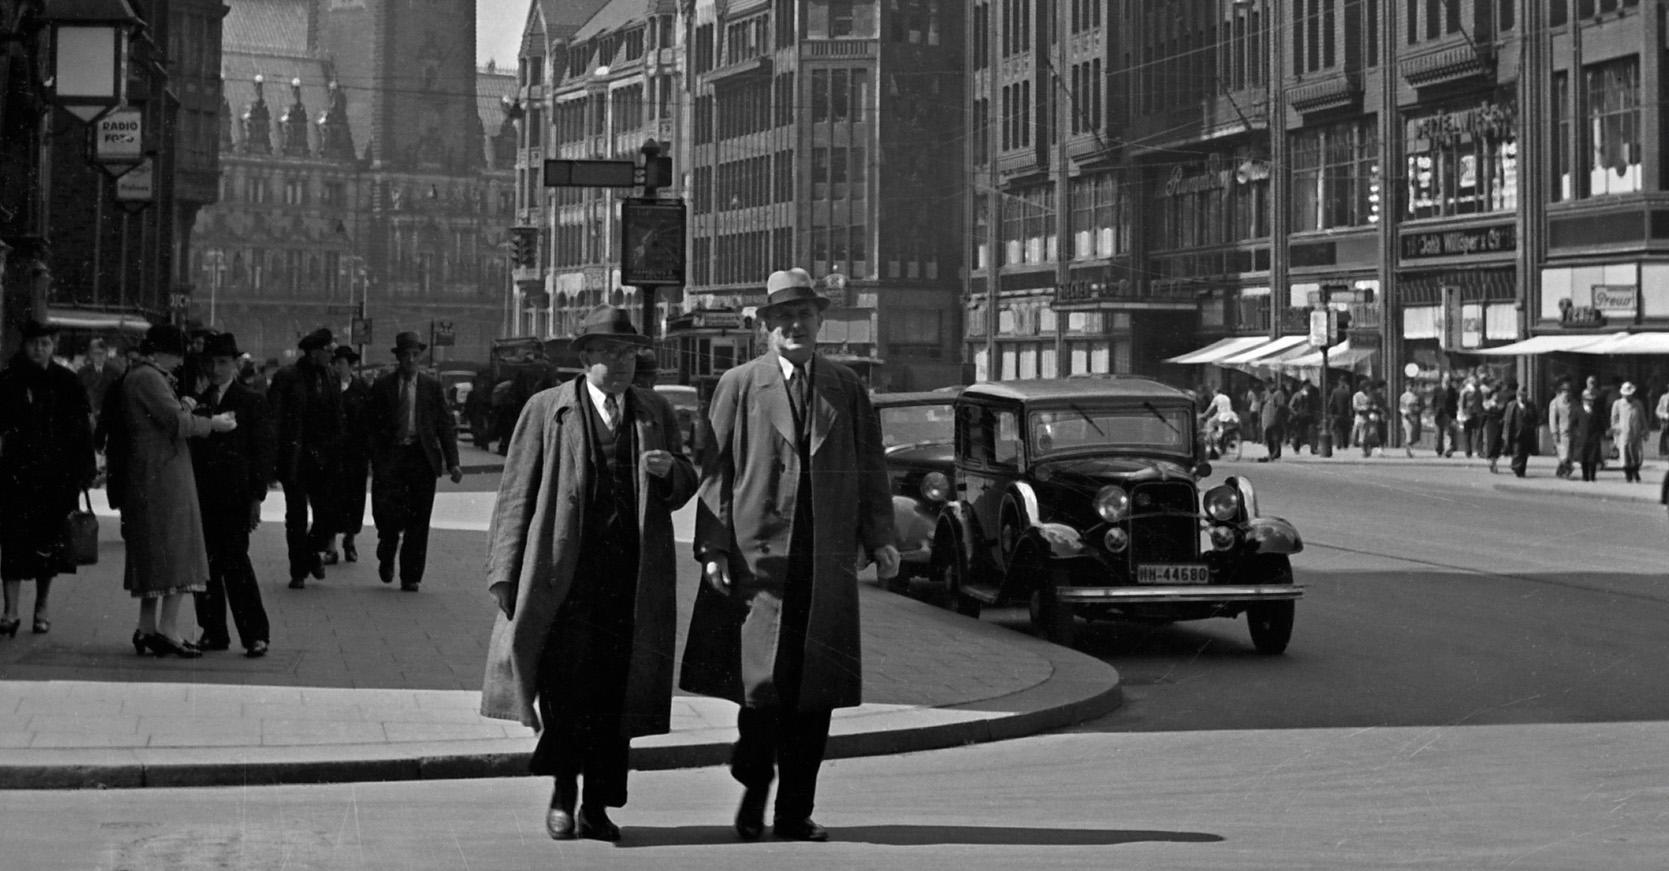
(76, 253)
(1248, 155)
(804, 132)
(366, 169)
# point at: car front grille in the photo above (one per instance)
(1164, 527)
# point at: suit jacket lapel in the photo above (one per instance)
(773, 397)
(574, 431)
(824, 413)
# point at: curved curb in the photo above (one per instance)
(1079, 688)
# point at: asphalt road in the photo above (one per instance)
(1431, 599)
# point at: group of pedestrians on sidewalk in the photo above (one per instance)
(580, 563)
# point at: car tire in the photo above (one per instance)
(1271, 622)
(947, 573)
(1053, 621)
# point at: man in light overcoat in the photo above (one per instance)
(775, 623)
(581, 562)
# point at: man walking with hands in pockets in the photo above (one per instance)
(582, 564)
(794, 492)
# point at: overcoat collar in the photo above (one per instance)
(570, 408)
(774, 397)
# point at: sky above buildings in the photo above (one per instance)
(498, 31)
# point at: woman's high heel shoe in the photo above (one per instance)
(139, 645)
(41, 626)
(8, 626)
(162, 645)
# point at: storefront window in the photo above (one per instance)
(1100, 217)
(1335, 177)
(1221, 201)
(1613, 98)
(1463, 161)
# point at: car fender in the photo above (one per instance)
(1273, 535)
(914, 523)
(1248, 495)
(955, 534)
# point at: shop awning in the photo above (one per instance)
(1629, 343)
(1219, 349)
(1264, 352)
(91, 319)
(1548, 344)
(1340, 356)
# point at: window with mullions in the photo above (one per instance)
(1563, 181)
(1100, 217)
(1335, 177)
(1612, 90)
(1462, 161)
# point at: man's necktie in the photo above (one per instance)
(799, 394)
(406, 411)
(611, 412)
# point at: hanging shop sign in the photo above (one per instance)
(1497, 238)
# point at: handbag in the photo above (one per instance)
(81, 535)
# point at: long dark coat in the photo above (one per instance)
(745, 517)
(534, 544)
(1588, 429)
(46, 457)
(307, 419)
(232, 468)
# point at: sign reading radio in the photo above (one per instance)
(1459, 243)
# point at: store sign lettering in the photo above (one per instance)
(1623, 298)
(1459, 243)
(1488, 119)
(1572, 315)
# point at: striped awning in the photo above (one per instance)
(1265, 352)
(1219, 349)
(1546, 344)
(1340, 356)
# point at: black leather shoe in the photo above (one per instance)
(209, 646)
(409, 588)
(330, 558)
(349, 552)
(593, 823)
(298, 583)
(750, 816)
(385, 570)
(162, 645)
(256, 650)
(318, 566)
(799, 830)
(559, 824)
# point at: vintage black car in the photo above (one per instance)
(1080, 498)
(917, 432)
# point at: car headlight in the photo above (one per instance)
(1116, 539)
(1112, 503)
(1222, 503)
(935, 487)
(1222, 537)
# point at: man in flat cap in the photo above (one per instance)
(413, 442)
(581, 562)
(794, 490)
(307, 410)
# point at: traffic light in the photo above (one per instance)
(524, 247)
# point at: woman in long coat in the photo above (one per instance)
(156, 490)
(534, 544)
(46, 458)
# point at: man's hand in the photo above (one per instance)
(717, 576)
(657, 463)
(189, 402)
(223, 422)
(505, 594)
(886, 562)
(456, 473)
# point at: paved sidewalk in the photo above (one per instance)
(1539, 477)
(365, 682)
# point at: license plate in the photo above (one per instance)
(1173, 573)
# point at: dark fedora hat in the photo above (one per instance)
(607, 322)
(345, 352)
(319, 338)
(791, 285)
(33, 329)
(221, 345)
(409, 341)
(164, 339)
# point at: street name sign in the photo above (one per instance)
(591, 174)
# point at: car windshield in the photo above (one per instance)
(683, 398)
(1143, 428)
(916, 424)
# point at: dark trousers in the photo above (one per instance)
(402, 499)
(582, 692)
(783, 737)
(309, 489)
(1472, 435)
(1445, 430)
(231, 579)
(1272, 438)
(1341, 432)
(351, 513)
(1301, 431)
(1521, 458)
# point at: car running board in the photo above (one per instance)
(1179, 593)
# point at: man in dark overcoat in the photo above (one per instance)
(356, 452)
(232, 470)
(795, 490)
(581, 562)
(307, 414)
(413, 442)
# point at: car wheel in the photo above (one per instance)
(1271, 622)
(947, 573)
(1052, 619)
(1234, 446)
